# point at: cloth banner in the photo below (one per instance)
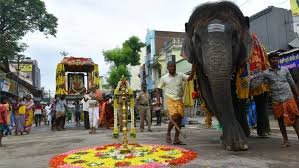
(189, 88)
(255, 65)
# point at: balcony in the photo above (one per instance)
(173, 43)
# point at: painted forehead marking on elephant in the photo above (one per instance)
(215, 27)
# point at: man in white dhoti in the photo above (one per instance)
(93, 110)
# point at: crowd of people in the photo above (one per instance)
(18, 117)
(98, 108)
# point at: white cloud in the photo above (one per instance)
(87, 27)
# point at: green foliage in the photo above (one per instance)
(132, 48)
(117, 56)
(116, 73)
(121, 57)
(106, 86)
(18, 17)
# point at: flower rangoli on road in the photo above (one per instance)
(141, 155)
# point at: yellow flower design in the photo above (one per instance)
(110, 156)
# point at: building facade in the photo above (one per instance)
(29, 72)
(155, 41)
(274, 27)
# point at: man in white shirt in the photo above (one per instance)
(85, 104)
(173, 84)
(48, 110)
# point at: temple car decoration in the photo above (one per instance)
(70, 76)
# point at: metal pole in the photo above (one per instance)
(18, 72)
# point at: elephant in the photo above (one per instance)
(218, 42)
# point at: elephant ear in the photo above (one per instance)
(187, 51)
(245, 46)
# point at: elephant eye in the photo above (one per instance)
(235, 37)
(196, 39)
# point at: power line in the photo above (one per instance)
(277, 3)
(244, 3)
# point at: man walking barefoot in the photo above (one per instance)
(173, 83)
(283, 89)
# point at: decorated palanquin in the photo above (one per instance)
(70, 76)
(254, 66)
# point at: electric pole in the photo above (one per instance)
(18, 72)
(49, 95)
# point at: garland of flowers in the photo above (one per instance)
(115, 105)
(96, 79)
(133, 131)
(256, 63)
(142, 155)
(77, 61)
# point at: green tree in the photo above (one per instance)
(17, 18)
(132, 48)
(128, 54)
(116, 73)
(117, 56)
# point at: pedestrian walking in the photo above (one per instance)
(48, 110)
(93, 110)
(8, 126)
(284, 96)
(85, 106)
(17, 121)
(77, 112)
(157, 107)
(38, 114)
(173, 84)
(144, 109)
(22, 111)
(61, 107)
(53, 113)
(3, 119)
(29, 113)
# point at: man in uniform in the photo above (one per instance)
(144, 109)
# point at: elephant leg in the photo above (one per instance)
(240, 111)
(241, 116)
(263, 126)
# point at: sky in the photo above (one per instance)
(87, 27)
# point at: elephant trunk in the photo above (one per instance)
(218, 68)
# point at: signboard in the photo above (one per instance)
(295, 7)
(290, 61)
(25, 67)
(4, 85)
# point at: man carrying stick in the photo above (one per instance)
(173, 83)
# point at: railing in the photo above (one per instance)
(174, 42)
